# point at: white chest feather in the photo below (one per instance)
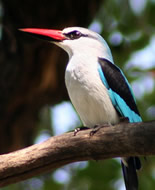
(88, 94)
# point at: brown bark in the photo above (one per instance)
(31, 71)
(125, 139)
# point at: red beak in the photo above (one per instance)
(46, 34)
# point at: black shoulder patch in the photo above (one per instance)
(117, 83)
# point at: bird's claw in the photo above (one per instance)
(79, 129)
(96, 128)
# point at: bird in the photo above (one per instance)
(97, 87)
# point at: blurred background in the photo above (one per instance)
(34, 103)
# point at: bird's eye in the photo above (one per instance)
(74, 35)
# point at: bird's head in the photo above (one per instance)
(75, 40)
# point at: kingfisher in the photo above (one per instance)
(98, 89)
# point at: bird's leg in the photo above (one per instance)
(98, 127)
(80, 129)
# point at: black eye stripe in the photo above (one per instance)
(74, 35)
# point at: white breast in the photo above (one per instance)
(88, 94)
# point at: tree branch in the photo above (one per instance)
(125, 139)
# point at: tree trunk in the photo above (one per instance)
(32, 71)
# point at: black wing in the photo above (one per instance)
(118, 84)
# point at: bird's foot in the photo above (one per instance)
(80, 129)
(124, 120)
(96, 128)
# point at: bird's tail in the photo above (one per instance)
(129, 167)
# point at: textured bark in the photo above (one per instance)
(31, 71)
(125, 139)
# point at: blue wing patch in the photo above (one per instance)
(119, 90)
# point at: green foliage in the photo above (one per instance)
(98, 174)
